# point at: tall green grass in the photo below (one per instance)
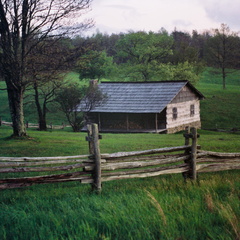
(156, 208)
(163, 207)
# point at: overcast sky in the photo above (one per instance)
(114, 16)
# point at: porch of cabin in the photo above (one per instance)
(130, 122)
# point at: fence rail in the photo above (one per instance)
(35, 125)
(214, 161)
(96, 168)
(42, 165)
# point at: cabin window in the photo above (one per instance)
(192, 110)
(174, 113)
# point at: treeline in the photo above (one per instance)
(150, 56)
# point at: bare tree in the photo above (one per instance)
(24, 24)
(223, 51)
(43, 95)
(47, 74)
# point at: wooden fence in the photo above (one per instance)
(96, 168)
(35, 125)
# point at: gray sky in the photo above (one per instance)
(114, 16)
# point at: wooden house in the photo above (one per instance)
(167, 106)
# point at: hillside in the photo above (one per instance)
(220, 109)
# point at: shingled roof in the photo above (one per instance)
(140, 97)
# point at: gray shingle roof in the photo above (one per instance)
(139, 97)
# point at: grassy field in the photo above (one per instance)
(221, 108)
(161, 207)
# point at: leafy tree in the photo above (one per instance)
(24, 24)
(95, 65)
(76, 102)
(69, 97)
(199, 42)
(183, 48)
(142, 52)
(223, 51)
(180, 71)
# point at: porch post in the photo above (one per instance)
(127, 122)
(156, 122)
(99, 121)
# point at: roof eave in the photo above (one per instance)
(201, 96)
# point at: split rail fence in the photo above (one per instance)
(35, 125)
(96, 168)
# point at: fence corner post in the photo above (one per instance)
(193, 170)
(186, 135)
(187, 151)
(95, 150)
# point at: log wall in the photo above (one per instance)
(182, 102)
(184, 117)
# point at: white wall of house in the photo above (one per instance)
(184, 115)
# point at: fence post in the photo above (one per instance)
(187, 151)
(193, 173)
(94, 149)
(89, 139)
(0, 121)
(186, 135)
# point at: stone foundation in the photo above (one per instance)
(182, 127)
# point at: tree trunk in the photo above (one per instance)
(41, 112)
(15, 100)
(224, 78)
(42, 124)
